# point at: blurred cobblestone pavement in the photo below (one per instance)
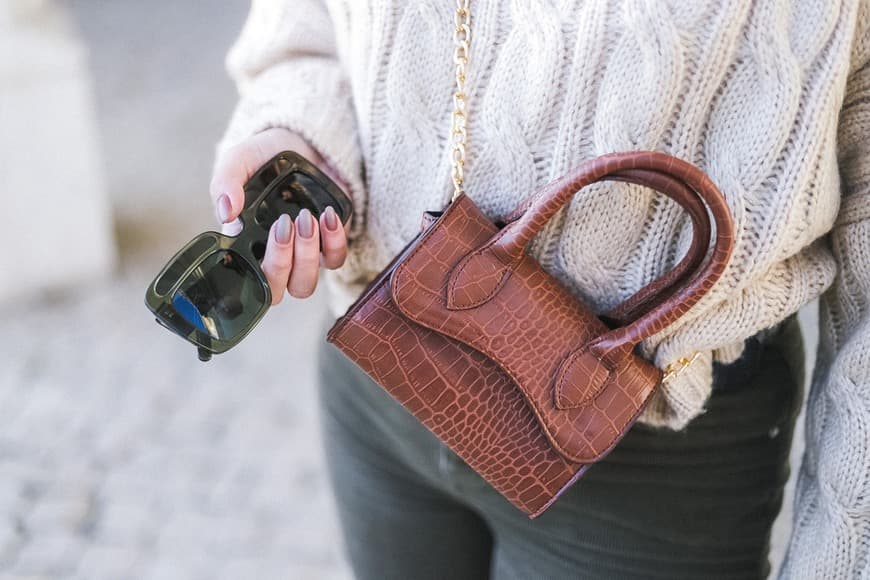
(121, 456)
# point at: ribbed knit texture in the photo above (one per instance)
(771, 98)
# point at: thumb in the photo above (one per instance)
(237, 164)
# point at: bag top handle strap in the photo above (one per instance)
(662, 287)
(665, 285)
(480, 274)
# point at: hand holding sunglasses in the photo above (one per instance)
(214, 290)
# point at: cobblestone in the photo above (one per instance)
(108, 563)
(55, 553)
(11, 537)
(129, 525)
(71, 513)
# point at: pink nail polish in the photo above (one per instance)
(331, 219)
(305, 224)
(224, 208)
(283, 229)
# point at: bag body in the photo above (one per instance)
(499, 360)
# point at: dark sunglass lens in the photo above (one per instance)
(181, 263)
(293, 194)
(221, 297)
(260, 180)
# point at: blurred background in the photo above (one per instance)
(122, 456)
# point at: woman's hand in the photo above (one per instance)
(292, 259)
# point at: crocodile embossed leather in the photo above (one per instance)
(510, 370)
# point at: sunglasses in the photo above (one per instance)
(213, 291)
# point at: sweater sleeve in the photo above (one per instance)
(286, 67)
(831, 534)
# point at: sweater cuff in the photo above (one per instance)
(309, 96)
(675, 403)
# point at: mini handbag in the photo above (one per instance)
(498, 359)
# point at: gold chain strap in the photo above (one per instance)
(458, 130)
(459, 134)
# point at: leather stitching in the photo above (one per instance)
(562, 379)
(454, 279)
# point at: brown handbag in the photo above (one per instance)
(498, 359)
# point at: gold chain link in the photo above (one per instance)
(458, 130)
(677, 367)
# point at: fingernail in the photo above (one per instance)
(331, 218)
(305, 223)
(224, 208)
(283, 229)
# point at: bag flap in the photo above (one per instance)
(534, 329)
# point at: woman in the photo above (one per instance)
(770, 98)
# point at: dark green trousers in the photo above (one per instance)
(697, 503)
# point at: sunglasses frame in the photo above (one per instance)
(247, 245)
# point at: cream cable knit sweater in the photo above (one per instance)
(771, 98)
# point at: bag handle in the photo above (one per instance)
(479, 275)
(659, 289)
